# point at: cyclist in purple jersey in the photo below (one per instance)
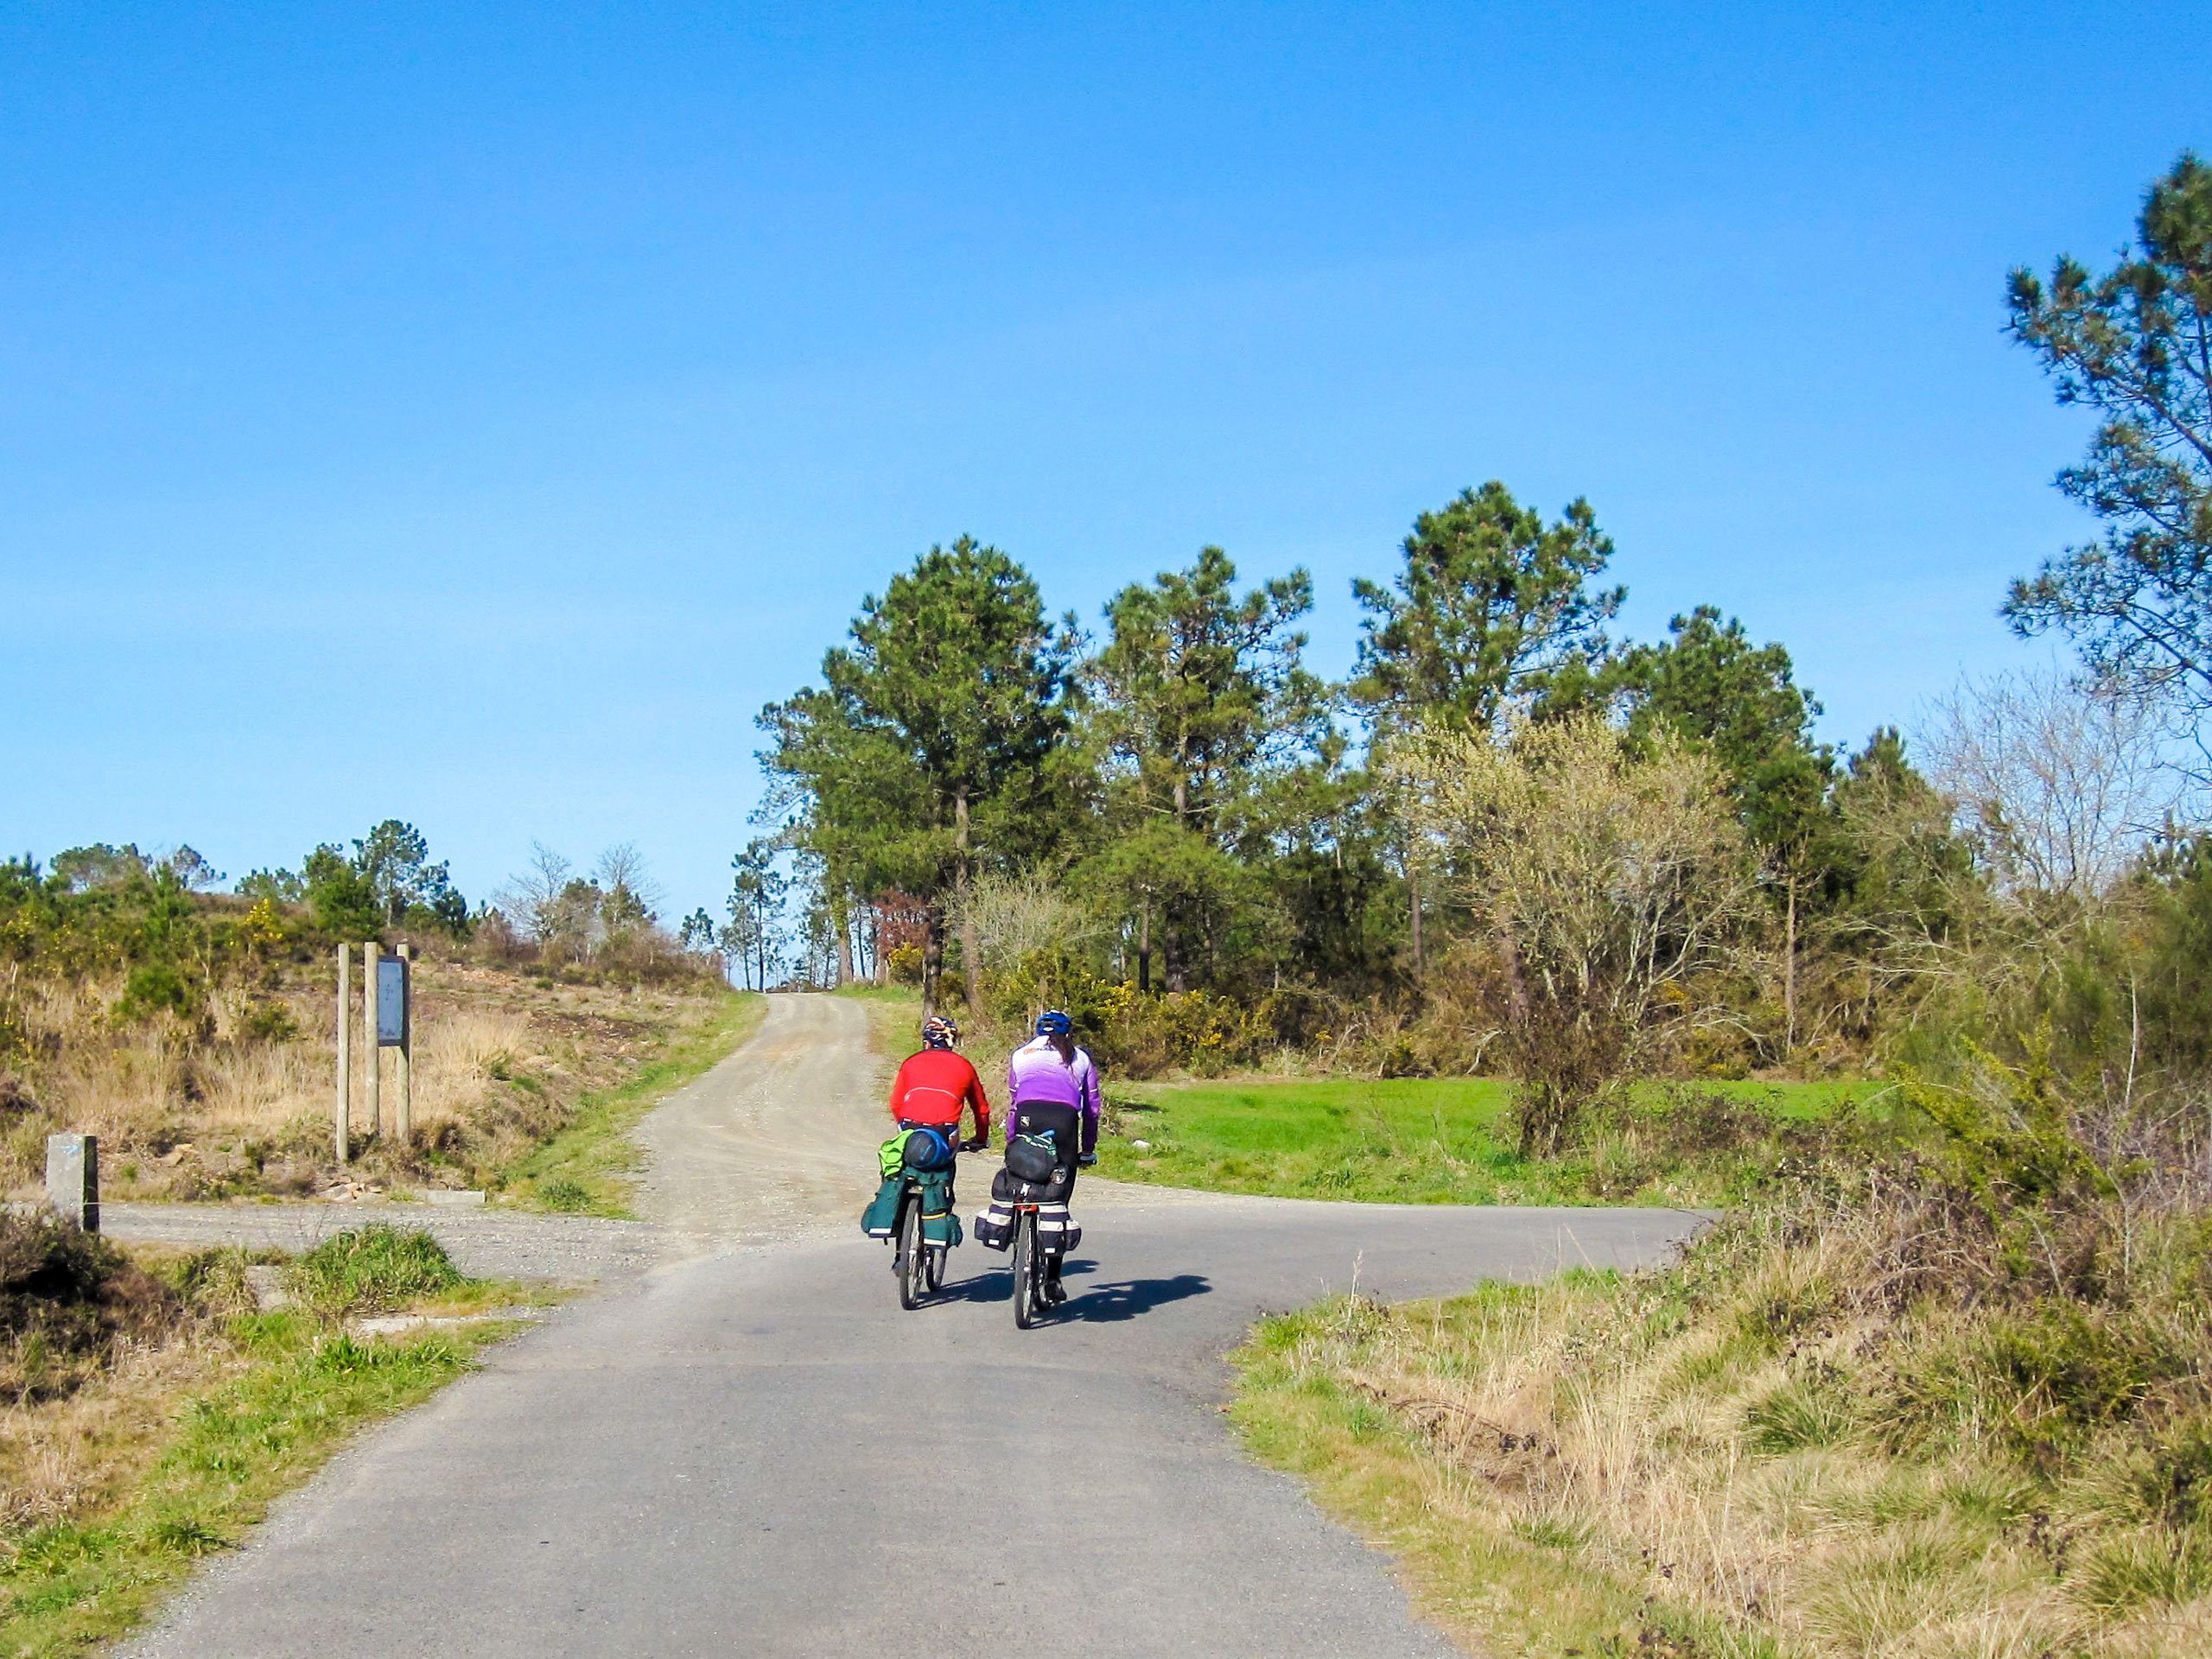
(1050, 1070)
(1054, 1086)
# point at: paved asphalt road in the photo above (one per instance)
(752, 1451)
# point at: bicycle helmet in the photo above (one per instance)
(937, 1032)
(1054, 1023)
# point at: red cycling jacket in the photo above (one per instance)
(931, 1088)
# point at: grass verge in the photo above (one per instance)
(1306, 1405)
(1884, 1416)
(1450, 1140)
(182, 1444)
(584, 1168)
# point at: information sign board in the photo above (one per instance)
(392, 1001)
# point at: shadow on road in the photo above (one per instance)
(993, 1285)
(1101, 1304)
(1105, 1304)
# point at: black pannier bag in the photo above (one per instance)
(995, 1227)
(1056, 1232)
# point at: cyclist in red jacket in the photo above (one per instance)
(934, 1085)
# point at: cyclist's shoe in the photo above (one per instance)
(898, 1260)
(1055, 1292)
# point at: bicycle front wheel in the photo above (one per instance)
(1025, 1270)
(910, 1247)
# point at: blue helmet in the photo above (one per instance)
(1054, 1023)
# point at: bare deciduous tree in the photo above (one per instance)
(538, 899)
(2057, 785)
(1027, 932)
(631, 895)
(1015, 917)
(1619, 887)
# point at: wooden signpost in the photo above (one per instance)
(387, 1022)
(343, 1110)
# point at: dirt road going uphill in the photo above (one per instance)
(771, 1142)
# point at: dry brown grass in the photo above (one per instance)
(239, 1101)
(1765, 1463)
(61, 1458)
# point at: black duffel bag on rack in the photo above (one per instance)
(1036, 1158)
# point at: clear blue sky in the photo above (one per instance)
(474, 414)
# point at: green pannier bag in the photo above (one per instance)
(940, 1224)
(881, 1216)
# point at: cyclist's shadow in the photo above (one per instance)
(1128, 1298)
(1104, 1304)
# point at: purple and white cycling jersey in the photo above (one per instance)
(1036, 1075)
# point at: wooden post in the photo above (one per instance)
(341, 1109)
(372, 1101)
(407, 1050)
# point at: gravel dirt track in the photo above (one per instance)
(748, 1449)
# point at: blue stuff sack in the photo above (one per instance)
(928, 1149)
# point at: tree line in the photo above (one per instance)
(1504, 809)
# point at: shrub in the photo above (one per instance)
(1619, 888)
(378, 1267)
(68, 1299)
(269, 1022)
(215, 1281)
(158, 987)
(565, 1195)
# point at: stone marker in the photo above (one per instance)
(73, 1178)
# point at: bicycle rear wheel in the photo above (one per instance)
(935, 1255)
(911, 1268)
(1025, 1269)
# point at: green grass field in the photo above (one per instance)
(1450, 1140)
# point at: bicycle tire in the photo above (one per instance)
(1025, 1270)
(911, 1271)
(934, 1260)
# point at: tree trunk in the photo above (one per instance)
(875, 944)
(1412, 913)
(971, 950)
(1789, 972)
(1144, 944)
(1516, 983)
(1171, 956)
(932, 956)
